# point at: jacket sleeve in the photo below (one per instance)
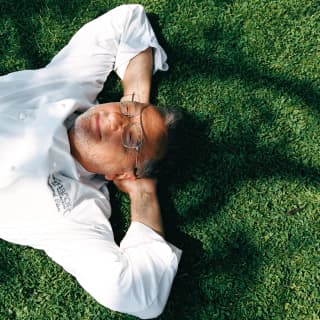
(134, 278)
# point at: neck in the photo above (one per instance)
(73, 149)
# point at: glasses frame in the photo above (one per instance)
(139, 108)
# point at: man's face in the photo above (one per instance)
(96, 140)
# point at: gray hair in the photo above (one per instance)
(151, 167)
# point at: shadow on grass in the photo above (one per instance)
(26, 29)
(237, 157)
(221, 165)
(25, 15)
(9, 261)
(213, 284)
(217, 165)
(187, 63)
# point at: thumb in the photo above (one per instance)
(124, 185)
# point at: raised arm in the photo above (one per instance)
(137, 78)
(119, 41)
(144, 202)
(142, 192)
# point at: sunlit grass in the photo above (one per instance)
(243, 198)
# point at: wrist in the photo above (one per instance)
(143, 188)
(139, 194)
(145, 208)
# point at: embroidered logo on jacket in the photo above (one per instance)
(60, 195)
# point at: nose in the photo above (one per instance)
(116, 121)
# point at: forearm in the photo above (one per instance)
(145, 208)
(137, 78)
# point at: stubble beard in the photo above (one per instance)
(82, 140)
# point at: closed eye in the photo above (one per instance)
(131, 136)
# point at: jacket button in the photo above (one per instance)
(22, 116)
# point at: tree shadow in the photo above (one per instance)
(27, 26)
(228, 162)
(220, 165)
(223, 3)
(236, 65)
(217, 165)
(233, 270)
(188, 63)
(9, 259)
(248, 159)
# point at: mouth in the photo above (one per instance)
(96, 127)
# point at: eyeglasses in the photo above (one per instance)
(132, 136)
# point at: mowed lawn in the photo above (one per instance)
(241, 192)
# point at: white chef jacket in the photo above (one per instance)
(48, 201)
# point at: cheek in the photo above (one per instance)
(82, 128)
(109, 158)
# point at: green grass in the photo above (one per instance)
(243, 199)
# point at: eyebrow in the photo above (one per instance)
(141, 122)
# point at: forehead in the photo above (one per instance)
(115, 106)
(109, 106)
(154, 133)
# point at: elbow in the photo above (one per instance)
(142, 293)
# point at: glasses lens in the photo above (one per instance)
(132, 136)
(128, 108)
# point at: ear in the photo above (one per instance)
(129, 175)
(110, 177)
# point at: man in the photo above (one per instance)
(50, 195)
